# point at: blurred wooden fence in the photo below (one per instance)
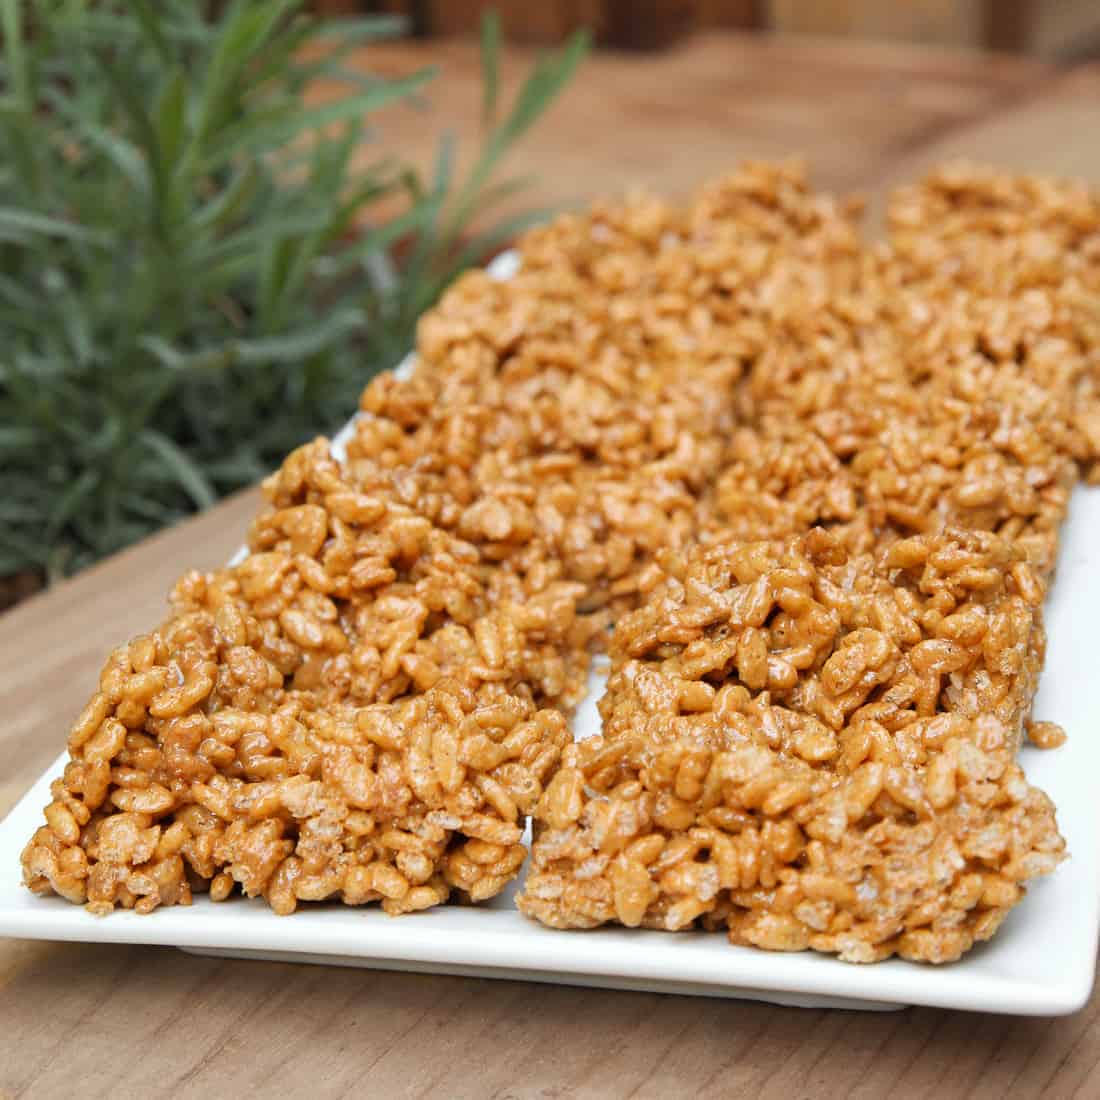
(1048, 28)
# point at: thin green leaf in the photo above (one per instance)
(538, 92)
(27, 222)
(441, 186)
(78, 333)
(188, 475)
(278, 257)
(490, 66)
(245, 28)
(171, 119)
(365, 29)
(13, 291)
(18, 78)
(495, 193)
(153, 511)
(150, 25)
(24, 512)
(70, 501)
(14, 236)
(480, 247)
(209, 359)
(246, 241)
(379, 239)
(309, 120)
(131, 100)
(223, 209)
(15, 436)
(279, 65)
(23, 150)
(122, 153)
(475, 251)
(298, 346)
(334, 40)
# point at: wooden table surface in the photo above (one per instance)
(94, 1021)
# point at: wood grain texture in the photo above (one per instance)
(667, 121)
(98, 1021)
(929, 22)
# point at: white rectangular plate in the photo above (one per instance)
(1041, 962)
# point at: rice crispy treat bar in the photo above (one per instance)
(998, 278)
(955, 382)
(346, 713)
(874, 469)
(813, 748)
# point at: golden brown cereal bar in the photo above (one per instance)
(814, 748)
(344, 714)
(885, 859)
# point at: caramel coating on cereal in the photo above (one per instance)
(920, 860)
(348, 713)
(814, 748)
(814, 484)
